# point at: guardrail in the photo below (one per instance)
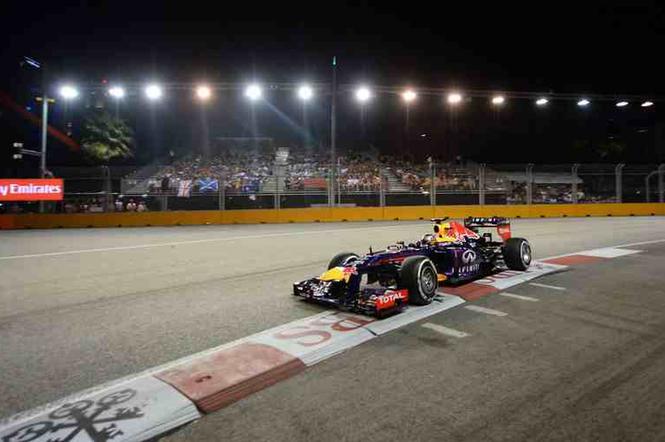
(323, 214)
(413, 185)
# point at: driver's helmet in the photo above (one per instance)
(444, 232)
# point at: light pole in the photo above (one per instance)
(409, 97)
(45, 100)
(204, 95)
(42, 163)
(305, 93)
(333, 134)
(117, 93)
(363, 95)
(253, 92)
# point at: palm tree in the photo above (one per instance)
(106, 137)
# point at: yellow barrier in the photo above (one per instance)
(325, 214)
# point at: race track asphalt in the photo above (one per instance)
(81, 307)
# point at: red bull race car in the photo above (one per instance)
(382, 282)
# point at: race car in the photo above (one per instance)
(383, 282)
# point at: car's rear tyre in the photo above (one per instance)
(342, 259)
(517, 254)
(418, 275)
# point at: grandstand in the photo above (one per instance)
(255, 174)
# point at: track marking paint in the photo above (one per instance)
(641, 243)
(520, 297)
(112, 384)
(445, 330)
(194, 241)
(546, 286)
(609, 252)
(487, 311)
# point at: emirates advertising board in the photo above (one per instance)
(32, 189)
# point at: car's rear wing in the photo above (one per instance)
(485, 222)
(502, 225)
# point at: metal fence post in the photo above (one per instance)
(382, 190)
(278, 202)
(338, 171)
(574, 177)
(529, 183)
(221, 193)
(432, 184)
(661, 183)
(481, 184)
(647, 186)
(106, 173)
(331, 196)
(618, 182)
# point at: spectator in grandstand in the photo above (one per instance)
(70, 207)
(95, 206)
(165, 184)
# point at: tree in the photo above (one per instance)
(106, 137)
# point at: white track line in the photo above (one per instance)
(194, 241)
(445, 330)
(520, 297)
(487, 311)
(546, 286)
(654, 241)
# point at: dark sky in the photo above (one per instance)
(577, 47)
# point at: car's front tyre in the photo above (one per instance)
(418, 275)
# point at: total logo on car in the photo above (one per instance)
(390, 298)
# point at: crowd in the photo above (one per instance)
(553, 194)
(299, 171)
(419, 177)
(96, 205)
(355, 173)
(358, 173)
(236, 172)
(130, 206)
(303, 170)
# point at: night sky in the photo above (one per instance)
(606, 48)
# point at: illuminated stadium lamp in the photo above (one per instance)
(305, 92)
(153, 92)
(583, 102)
(454, 98)
(622, 104)
(647, 104)
(69, 92)
(253, 92)
(363, 94)
(203, 93)
(409, 95)
(498, 100)
(117, 92)
(542, 101)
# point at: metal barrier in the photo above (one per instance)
(289, 186)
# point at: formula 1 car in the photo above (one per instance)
(383, 282)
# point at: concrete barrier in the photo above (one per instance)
(325, 214)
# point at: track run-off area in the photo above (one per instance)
(573, 355)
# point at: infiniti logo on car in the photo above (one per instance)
(468, 256)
